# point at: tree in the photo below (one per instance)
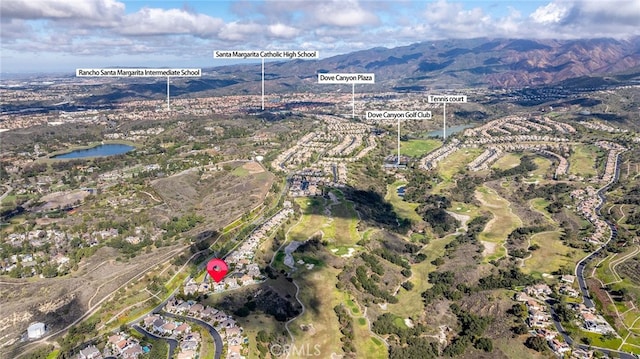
(484, 344)
(536, 343)
(520, 329)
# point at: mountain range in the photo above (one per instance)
(445, 64)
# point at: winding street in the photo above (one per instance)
(582, 264)
(569, 340)
(173, 344)
(214, 333)
(579, 271)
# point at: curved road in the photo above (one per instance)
(582, 264)
(580, 267)
(214, 333)
(173, 344)
(569, 340)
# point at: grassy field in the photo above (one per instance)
(402, 208)
(551, 256)
(254, 323)
(312, 220)
(341, 229)
(453, 164)
(367, 346)
(582, 160)
(319, 296)
(540, 205)
(503, 222)
(207, 347)
(603, 271)
(543, 167)
(344, 225)
(54, 354)
(465, 208)
(511, 160)
(507, 161)
(629, 312)
(410, 302)
(598, 340)
(418, 148)
(240, 172)
(515, 350)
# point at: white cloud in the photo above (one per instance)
(106, 28)
(96, 12)
(15, 30)
(153, 21)
(343, 13)
(621, 11)
(588, 19)
(452, 20)
(283, 31)
(237, 31)
(551, 13)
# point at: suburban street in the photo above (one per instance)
(173, 344)
(586, 298)
(214, 333)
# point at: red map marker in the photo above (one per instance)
(217, 269)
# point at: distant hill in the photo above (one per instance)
(496, 63)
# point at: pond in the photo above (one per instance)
(450, 130)
(110, 149)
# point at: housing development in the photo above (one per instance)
(500, 222)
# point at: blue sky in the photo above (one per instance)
(61, 35)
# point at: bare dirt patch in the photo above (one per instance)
(62, 199)
(489, 248)
(219, 196)
(58, 302)
(253, 167)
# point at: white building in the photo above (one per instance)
(35, 330)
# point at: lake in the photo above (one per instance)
(450, 130)
(110, 149)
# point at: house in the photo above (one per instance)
(188, 345)
(182, 307)
(121, 345)
(114, 339)
(219, 317)
(168, 328)
(133, 351)
(90, 352)
(187, 354)
(581, 354)
(196, 309)
(208, 312)
(559, 347)
(182, 329)
(538, 290)
(228, 323)
(547, 334)
(234, 331)
(567, 290)
(234, 351)
(567, 278)
(158, 324)
(532, 306)
(149, 320)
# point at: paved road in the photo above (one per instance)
(580, 267)
(582, 264)
(214, 333)
(569, 340)
(173, 344)
(6, 193)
